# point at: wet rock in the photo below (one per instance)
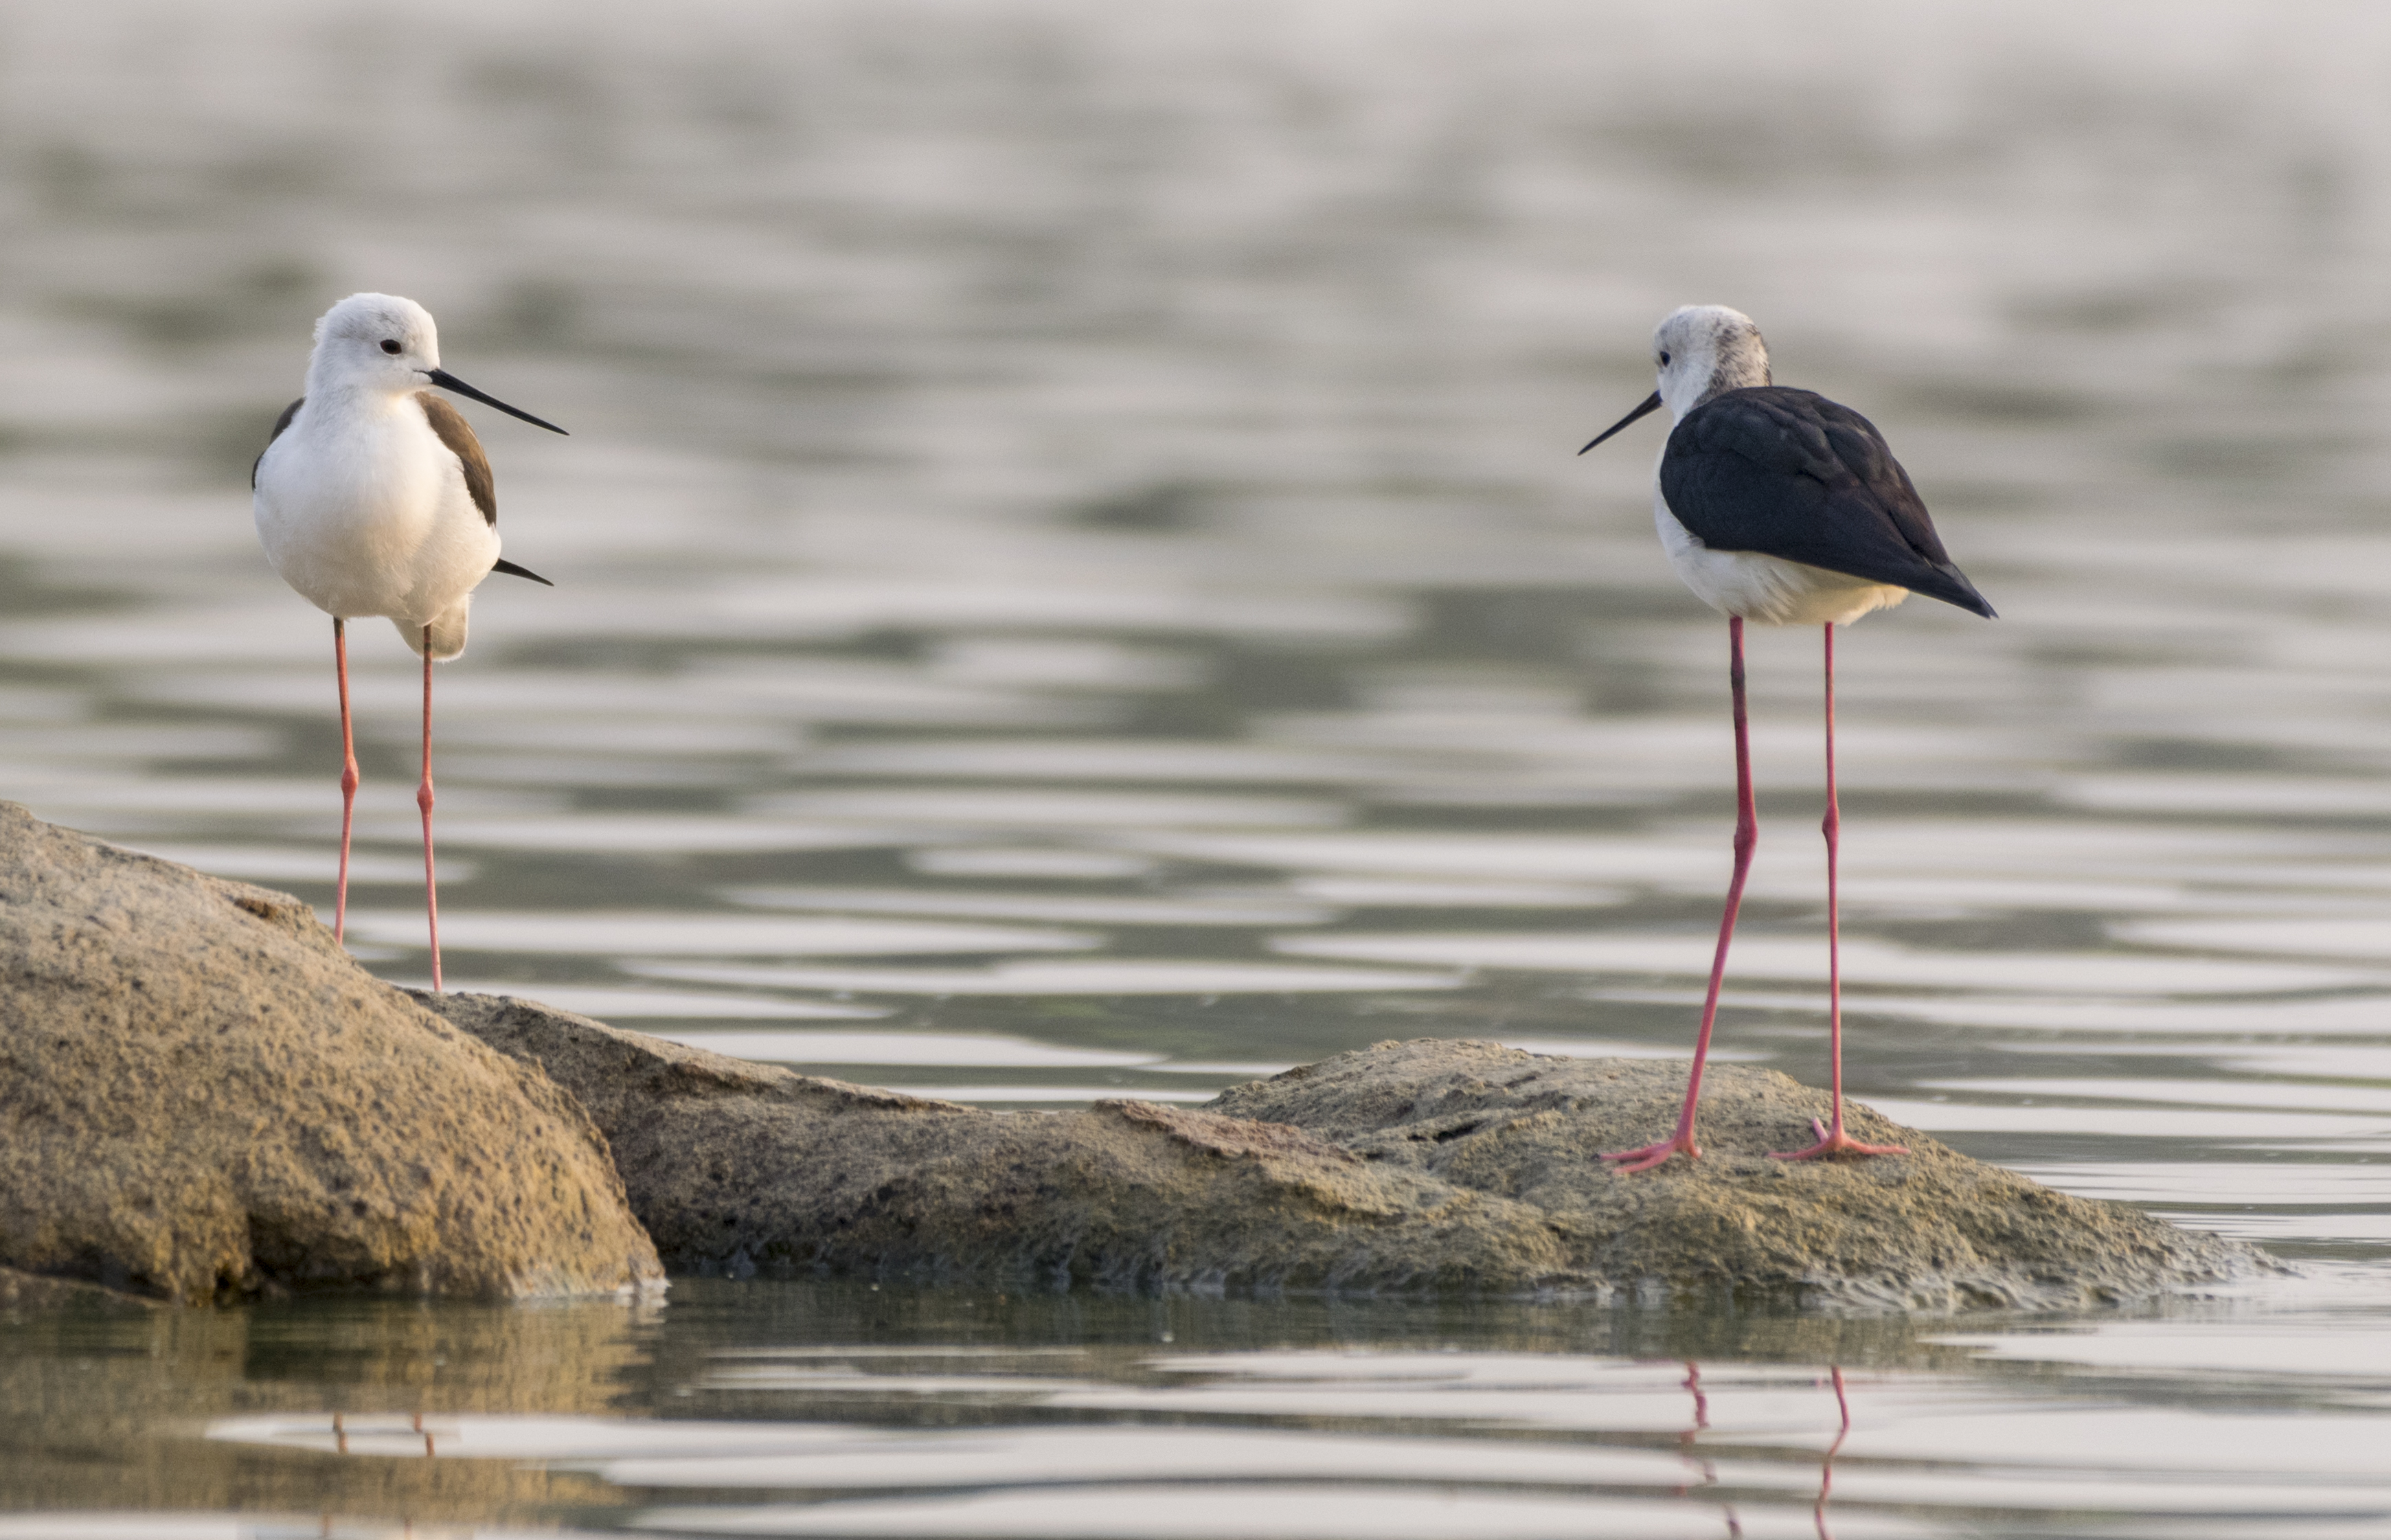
(1933, 1229)
(736, 1166)
(1433, 1164)
(31, 1291)
(201, 1098)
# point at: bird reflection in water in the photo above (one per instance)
(1707, 1471)
(1826, 1466)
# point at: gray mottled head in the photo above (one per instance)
(374, 342)
(1701, 350)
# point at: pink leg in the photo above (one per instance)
(1747, 834)
(423, 800)
(349, 778)
(1834, 1141)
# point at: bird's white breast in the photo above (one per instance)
(1767, 589)
(364, 511)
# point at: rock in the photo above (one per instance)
(737, 1167)
(31, 1291)
(1427, 1165)
(203, 1097)
(1933, 1229)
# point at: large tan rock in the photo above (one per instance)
(201, 1096)
(1434, 1164)
(736, 1167)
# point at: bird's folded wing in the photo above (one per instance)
(458, 435)
(279, 423)
(1790, 473)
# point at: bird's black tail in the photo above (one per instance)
(1947, 583)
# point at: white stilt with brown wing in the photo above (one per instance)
(373, 497)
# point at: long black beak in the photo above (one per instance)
(449, 381)
(1651, 404)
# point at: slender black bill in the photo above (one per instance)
(1649, 405)
(513, 571)
(449, 381)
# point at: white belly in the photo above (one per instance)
(369, 516)
(1767, 589)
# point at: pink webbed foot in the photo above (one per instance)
(1654, 1155)
(1836, 1142)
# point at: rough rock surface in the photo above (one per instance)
(201, 1097)
(1433, 1164)
(1930, 1229)
(736, 1166)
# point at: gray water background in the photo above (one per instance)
(1072, 578)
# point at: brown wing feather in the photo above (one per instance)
(279, 423)
(456, 432)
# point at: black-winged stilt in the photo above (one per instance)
(373, 497)
(1778, 505)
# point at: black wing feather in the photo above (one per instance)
(1790, 473)
(279, 423)
(513, 571)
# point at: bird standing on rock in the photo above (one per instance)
(1781, 506)
(373, 497)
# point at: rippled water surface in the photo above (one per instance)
(1072, 578)
(766, 1408)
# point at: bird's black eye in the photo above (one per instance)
(1664, 358)
(388, 346)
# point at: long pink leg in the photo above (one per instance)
(349, 778)
(1834, 1141)
(423, 800)
(1747, 834)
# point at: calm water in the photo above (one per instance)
(1072, 578)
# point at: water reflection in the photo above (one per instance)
(1826, 1461)
(780, 1409)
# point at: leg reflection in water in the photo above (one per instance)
(1826, 1466)
(1709, 1472)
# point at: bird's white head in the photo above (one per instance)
(378, 342)
(1700, 351)
(1703, 350)
(382, 344)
